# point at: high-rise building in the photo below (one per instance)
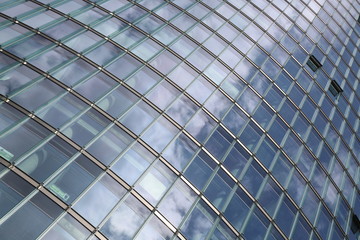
(182, 119)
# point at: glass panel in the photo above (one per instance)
(154, 183)
(104, 53)
(177, 202)
(12, 190)
(165, 62)
(90, 15)
(183, 75)
(62, 110)
(163, 94)
(270, 196)
(236, 160)
(218, 104)
(182, 110)
(33, 217)
(323, 223)
(200, 59)
(263, 115)
(118, 101)
(13, 80)
(250, 136)
(40, 93)
(139, 117)
(110, 145)
(100, 200)
(71, 181)
(266, 152)
(47, 159)
(67, 228)
(200, 170)
(83, 41)
(143, 80)
(253, 178)
(219, 142)
(49, 60)
(281, 169)
(125, 220)
(219, 188)
(96, 86)
(198, 223)
(124, 66)
(133, 163)
(41, 19)
(235, 120)
(160, 134)
(154, 229)
(22, 138)
(302, 230)
(62, 29)
(110, 26)
(8, 116)
(180, 151)
(86, 127)
(129, 37)
(248, 100)
(296, 187)
(285, 216)
(200, 126)
(257, 225)
(310, 205)
(200, 89)
(232, 85)
(20, 9)
(29, 45)
(147, 49)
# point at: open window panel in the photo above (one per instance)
(355, 224)
(313, 63)
(335, 88)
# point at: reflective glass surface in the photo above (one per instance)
(179, 119)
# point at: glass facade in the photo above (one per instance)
(179, 119)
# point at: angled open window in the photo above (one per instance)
(335, 88)
(355, 224)
(313, 63)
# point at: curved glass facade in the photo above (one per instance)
(181, 119)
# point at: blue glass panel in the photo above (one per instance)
(47, 159)
(177, 203)
(71, 181)
(133, 163)
(12, 190)
(100, 200)
(269, 196)
(33, 217)
(110, 145)
(285, 216)
(125, 220)
(200, 126)
(139, 117)
(218, 143)
(118, 101)
(266, 152)
(180, 151)
(200, 169)
(253, 177)
(256, 226)
(310, 205)
(219, 188)
(199, 222)
(236, 160)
